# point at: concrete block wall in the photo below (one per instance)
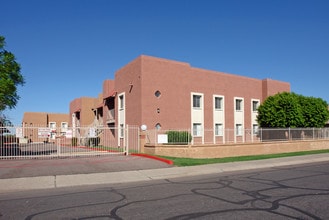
(233, 150)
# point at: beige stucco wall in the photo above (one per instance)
(221, 151)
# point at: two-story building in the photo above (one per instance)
(166, 94)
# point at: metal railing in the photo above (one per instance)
(233, 136)
(43, 142)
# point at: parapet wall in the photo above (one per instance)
(233, 150)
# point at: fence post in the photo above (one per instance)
(58, 143)
(127, 140)
(142, 141)
(156, 137)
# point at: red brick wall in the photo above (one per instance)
(128, 80)
(272, 87)
(173, 80)
(108, 88)
(145, 75)
(58, 118)
(84, 105)
(176, 80)
(33, 120)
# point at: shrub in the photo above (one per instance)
(290, 110)
(179, 137)
(74, 141)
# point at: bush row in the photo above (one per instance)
(179, 137)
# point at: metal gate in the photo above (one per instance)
(44, 142)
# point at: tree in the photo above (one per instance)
(315, 111)
(10, 78)
(286, 109)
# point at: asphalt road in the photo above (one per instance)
(289, 192)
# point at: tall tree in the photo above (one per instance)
(286, 109)
(10, 78)
(315, 111)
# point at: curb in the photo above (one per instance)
(170, 162)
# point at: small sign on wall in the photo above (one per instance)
(92, 132)
(162, 138)
(69, 134)
(43, 132)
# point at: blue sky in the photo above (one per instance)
(67, 48)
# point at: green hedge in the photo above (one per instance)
(179, 137)
(74, 141)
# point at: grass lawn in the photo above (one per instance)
(191, 162)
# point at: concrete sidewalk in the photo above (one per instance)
(126, 169)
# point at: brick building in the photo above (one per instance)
(166, 94)
(32, 121)
(81, 111)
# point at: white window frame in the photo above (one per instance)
(255, 128)
(52, 125)
(219, 129)
(197, 103)
(220, 101)
(252, 105)
(197, 129)
(238, 103)
(238, 130)
(121, 102)
(64, 126)
(121, 131)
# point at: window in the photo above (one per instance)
(238, 129)
(121, 102)
(157, 94)
(158, 126)
(196, 101)
(255, 128)
(64, 126)
(52, 125)
(238, 104)
(218, 103)
(255, 106)
(121, 131)
(219, 129)
(197, 130)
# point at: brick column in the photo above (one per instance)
(142, 140)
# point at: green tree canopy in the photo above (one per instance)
(315, 111)
(10, 78)
(286, 109)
